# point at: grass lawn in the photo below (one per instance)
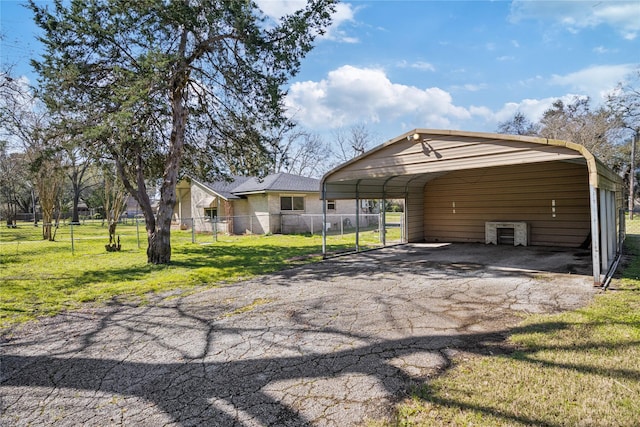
(579, 368)
(41, 278)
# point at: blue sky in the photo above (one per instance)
(397, 65)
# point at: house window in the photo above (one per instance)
(210, 213)
(291, 203)
(331, 205)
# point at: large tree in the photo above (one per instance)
(301, 152)
(154, 84)
(351, 142)
(577, 121)
(624, 102)
(12, 183)
(596, 129)
(519, 124)
(76, 166)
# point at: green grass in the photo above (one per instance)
(393, 217)
(41, 278)
(579, 368)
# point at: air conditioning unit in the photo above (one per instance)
(514, 233)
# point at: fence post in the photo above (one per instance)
(622, 228)
(193, 230)
(138, 231)
(312, 225)
(215, 229)
(73, 249)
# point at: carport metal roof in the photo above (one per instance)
(416, 157)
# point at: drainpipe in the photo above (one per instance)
(595, 235)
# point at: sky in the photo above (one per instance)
(394, 66)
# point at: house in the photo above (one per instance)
(132, 207)
(278, 203)
(494, 189)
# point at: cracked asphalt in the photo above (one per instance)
(326, 344)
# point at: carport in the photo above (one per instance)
(491, 188)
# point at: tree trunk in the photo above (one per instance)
(11, 222)
(75, 218)
(47, 226)
(159, 249)
(112, 231)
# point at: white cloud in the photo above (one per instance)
(344, 13)
(276, 9)
(596, 81)
(623, 16)
(470, 87)
(533, 109)
(419, 65)
(350, 95)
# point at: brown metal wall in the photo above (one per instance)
(415, 214)
(457, 205)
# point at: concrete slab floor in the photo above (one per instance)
(326, 344)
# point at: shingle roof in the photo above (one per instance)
(279, 182)
(225, 188)
(240, 185)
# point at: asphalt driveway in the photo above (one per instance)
(326, 344)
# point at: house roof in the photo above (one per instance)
(225, 188)
(278, 182)
(240, 185)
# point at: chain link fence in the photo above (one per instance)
(630, 223)
(82, 237)
(308, 224)
(131, 233)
